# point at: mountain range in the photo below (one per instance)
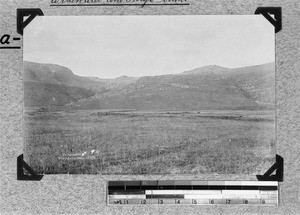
(209, 87)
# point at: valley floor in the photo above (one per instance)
(141, 142)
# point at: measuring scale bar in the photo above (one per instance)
(196, 192)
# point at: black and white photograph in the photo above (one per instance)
(149, 95)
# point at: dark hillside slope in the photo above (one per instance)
(52, 95)
(258, 80)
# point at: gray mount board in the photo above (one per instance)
(86, 193)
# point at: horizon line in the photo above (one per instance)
(216, 65)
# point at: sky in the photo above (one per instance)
(112, 46)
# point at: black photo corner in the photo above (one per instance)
(22, 166)
(23, 12)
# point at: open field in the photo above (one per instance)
(135, 142)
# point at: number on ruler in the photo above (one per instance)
(262, 201)
(194, 201)
(118, 201)
(228, 201)
(160, 201)
(245, 201)
(212, 201)
(178, 201)
(143, 201)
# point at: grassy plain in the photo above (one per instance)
(135, 142)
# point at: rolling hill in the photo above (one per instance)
(50, 85)
(209, 87)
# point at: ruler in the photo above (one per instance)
(192, 192)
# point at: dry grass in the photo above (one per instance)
(128, 142)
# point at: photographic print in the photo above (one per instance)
(149, 94)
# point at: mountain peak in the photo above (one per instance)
(213, 66)
(122, 77)
(206, 69)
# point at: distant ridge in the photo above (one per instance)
(208, 87)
